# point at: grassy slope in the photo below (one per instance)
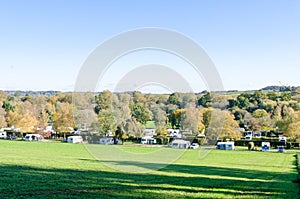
(57, 170)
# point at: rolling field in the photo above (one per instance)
(61, 170)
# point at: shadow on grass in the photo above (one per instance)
(174, 181)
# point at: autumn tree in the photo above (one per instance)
(170, 109)
(177, 115)
(159, 116)
(251, 123)
(23, 117)
(122, 114)
(84, 109)
(190, 118)
(63, 117)
(289, 123)
(40, 112)
(3, 122)
(187, 99)
(221, 125)
(134, 128)
(265, 122)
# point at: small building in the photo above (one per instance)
(265, 146)
(75, 139)
(106, 140)
(33, 137)
(148, 140)
(225, 145)
(181, 144)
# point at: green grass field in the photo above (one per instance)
(61, 170)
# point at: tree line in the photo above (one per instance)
(125, 115)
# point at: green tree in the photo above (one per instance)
(8, 106)
(141, 113)
(272, 96)
(206, 100)
(104, 101)
(206, 115)
(243, 102)
(107, 121)
(174, 99)
(171, 108)
(121, 134)
(286, 96)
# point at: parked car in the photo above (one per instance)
(194, 146)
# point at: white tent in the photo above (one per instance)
(75, 139)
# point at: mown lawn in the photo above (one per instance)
(61, 170)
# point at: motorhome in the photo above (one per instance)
(3, 135)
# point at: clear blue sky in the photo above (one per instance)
(252, 43)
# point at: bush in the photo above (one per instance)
(297, 164)
(158, 140)
(161, 140)
(199, 141)
(288, 145)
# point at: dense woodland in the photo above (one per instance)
(128, 114)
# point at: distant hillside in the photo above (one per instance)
(280, 88)
(229, 92)
(31, 93)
